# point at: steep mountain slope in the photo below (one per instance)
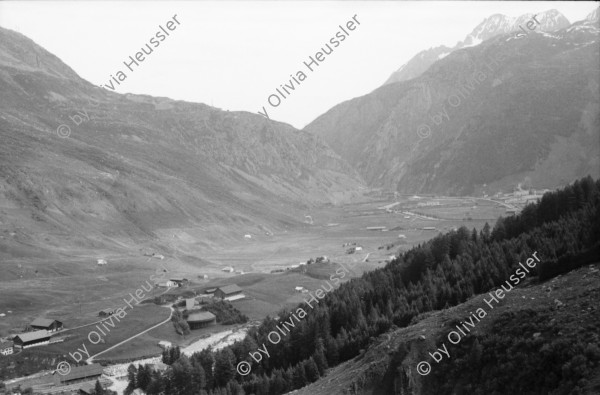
(538, 317)
(495, 25)
(509, 110)
(82, 167)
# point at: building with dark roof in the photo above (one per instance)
(46, 324)
(106, 312)
(85, 372)
(32, 339)
(201, 319)
(87, 389)
(227, 291)
(180, 281)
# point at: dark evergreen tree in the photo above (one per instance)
(98, 390)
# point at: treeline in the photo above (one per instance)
(445, 271)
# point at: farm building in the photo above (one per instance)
(165, 344)
(429, 228)
(87, 389)
(101, 262)
(210, 290)
(166, 284)
(379, 228)
(31, 339)
(180, 281)
(227, 269)
(299, 289)
(46, 324)
(424, 204)
(201, 319)
(235, 297)
(6, 347)
(203, 276)
(106, 312)
(80, 373)
(228, 291)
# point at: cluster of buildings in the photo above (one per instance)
(39, 333)
(198, 318)
(521, 197)
(230, 269)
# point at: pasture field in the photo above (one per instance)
(141, 317)
(74, 290)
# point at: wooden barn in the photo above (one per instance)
(227, 291)
(82, 373)
(46, 324)
(31, 339)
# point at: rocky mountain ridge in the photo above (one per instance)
(473, 123)
(495, 25)
(110, 171)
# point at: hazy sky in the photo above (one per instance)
(233, 55)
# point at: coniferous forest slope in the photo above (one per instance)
(511, 109)
(543, 338)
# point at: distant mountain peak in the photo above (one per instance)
(521, 121)
(492, 26)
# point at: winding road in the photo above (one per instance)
(91, 359)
